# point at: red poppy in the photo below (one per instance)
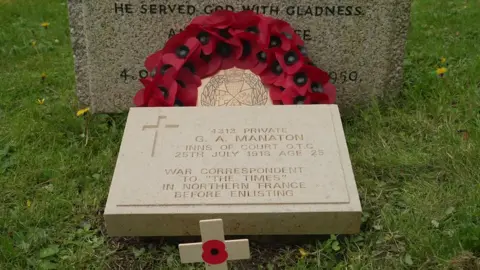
(175, 41)
(257, 61)
(305, 77)
(246, 57)
(264, 58)
(280, 95)
(290, 61)
(199, 64)
(221, 55)
(273, 74)
(226, 35)
(214, 252)
(218, 25)
(277, 102)
(139, 100)
(249, 59)
(208, 65)
(182, 53)
(159, 91)
(324, 95)
(206, 39)
(285, 30)
(188, 77)
(246, 20)
(246, 30)
(224, 57)
(321, 95)
(153, 60)
(187, 91)
(187, 96)
(275, 33)
(218, 19)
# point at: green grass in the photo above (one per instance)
(418, 173)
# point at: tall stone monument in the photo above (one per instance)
(360, 43)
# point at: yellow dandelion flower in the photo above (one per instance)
(29, 203)
(82, 111)
(34, 43)
(45, 24)
(303, 253)
(40, 101)
(44, 76)
(443, 60)
(441, 71)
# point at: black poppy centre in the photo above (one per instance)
(246, 48)
(225, 33)
(164, 68)
(181, 83)
(203, 37)
(182, 51)
(275, 42)
(214, 252)
(190, 67)
(299, 100)
(252, 29)
(206, 58)
(316, 88)
(300, 79)
(164, 91)
(223, 49)
(276, 68)
(178, 103)
(302, 50)
(262, 56)
(290, 58)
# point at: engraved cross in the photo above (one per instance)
(214, 250)
(157, 127)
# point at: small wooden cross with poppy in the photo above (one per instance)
(214, 250)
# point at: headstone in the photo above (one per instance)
(360, 43)
(264, 170)
(214, 250)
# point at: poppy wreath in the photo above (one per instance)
(268, 47)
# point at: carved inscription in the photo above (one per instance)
(271, 10)
(161, 9)
(240, 181)
(128, 75)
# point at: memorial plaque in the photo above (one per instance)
(272, 169)
(360, 43)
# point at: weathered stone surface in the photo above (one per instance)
(360, 43)
(262, 169)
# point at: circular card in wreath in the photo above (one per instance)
(233, 87)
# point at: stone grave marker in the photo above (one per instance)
(214, 250)
(360, 43)
(264, 170)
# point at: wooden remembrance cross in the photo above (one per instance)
(214, 250)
